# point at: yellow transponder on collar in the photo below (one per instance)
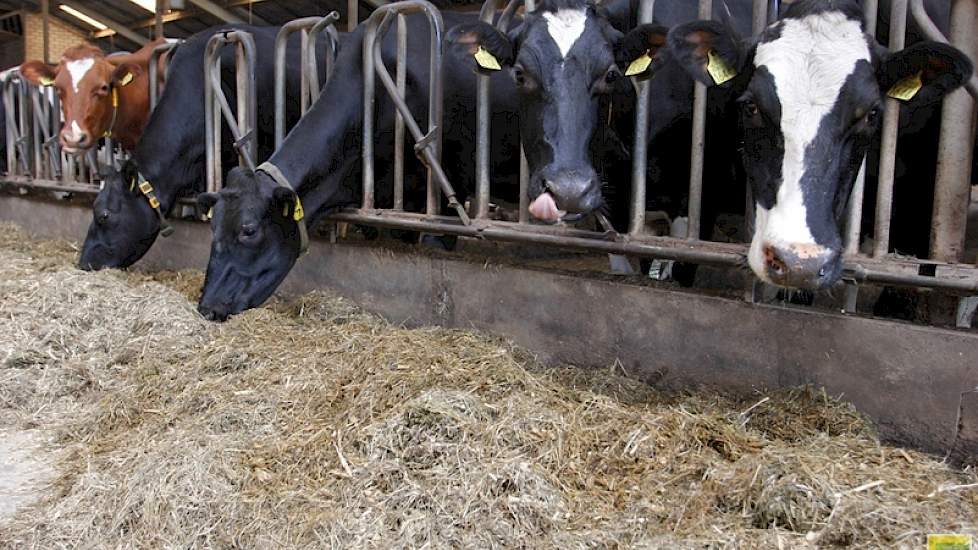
(907, 88)
(719, 71)
(640, 65)
(486, 60)
(146, 187)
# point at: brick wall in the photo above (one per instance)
(61, 37)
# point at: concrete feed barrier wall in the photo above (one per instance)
(918, 383)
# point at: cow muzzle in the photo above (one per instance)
(567, 194)
(75, 140)
(801, 265)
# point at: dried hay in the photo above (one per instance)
(310, 423)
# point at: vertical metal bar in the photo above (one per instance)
(399, 119)
(370, 36)
(352, 14)
(435, 106)
(760, 16)
(303, 76)
(640, 157)
(212, 129)
(952, 191)
(524, 214)
(856, 198)
(162, 6)
(891, 122)
(699, 145)
(872, 9)
(245, 80)
(483, 129)
(281, 42)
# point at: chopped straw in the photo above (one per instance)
(311, 423)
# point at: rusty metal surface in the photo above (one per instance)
(909, 379)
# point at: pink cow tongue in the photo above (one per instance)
(544, 208)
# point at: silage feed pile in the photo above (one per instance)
(311, 424)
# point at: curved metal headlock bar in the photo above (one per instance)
(310, 85)
(931, 31)
(216, 103)
(14, 88)
(427, 145)
(154, 64)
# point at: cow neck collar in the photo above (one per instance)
(298, 212)
(146, 188)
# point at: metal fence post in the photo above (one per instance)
(640, 155)
(952, 191)
(243, 123)
(699, 146)
(891, 123)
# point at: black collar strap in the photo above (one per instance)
(146, 188)
(297, 212)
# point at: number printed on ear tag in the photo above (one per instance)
(907, 88)
(486, 60)
(719, 71)
(640, 65)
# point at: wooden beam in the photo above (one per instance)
(119, 28)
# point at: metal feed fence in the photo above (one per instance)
(943, 270)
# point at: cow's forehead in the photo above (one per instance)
(811, 58)
(565, 26)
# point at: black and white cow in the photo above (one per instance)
(562, 59)
(810, 92)
(170, 153)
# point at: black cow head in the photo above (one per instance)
(563, 58)
(811, 93)
(124, 225)
(254, 246)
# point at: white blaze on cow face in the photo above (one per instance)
(810, 62)
(565, 26)
(78, 69)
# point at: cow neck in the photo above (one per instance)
(318, 155)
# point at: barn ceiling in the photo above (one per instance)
(181, 23)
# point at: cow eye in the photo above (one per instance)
(522, 78)
(103, 89)
(612, 75)
(873, 116)
(102, 217)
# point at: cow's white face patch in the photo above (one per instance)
(78, 69)
(810, 63)
(565, 27)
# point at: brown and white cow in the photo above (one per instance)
(101, 96)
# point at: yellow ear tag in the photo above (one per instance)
(126, 79)
(210, 213)
(298, 213)
(486, 60)
(640, 65)
(45, 81)
(719, 71)
(907, 89)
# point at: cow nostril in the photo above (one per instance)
(774, 262)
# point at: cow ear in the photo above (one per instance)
(39, 73)
(484, 44)
(923, 72)
(640, 52)
(124, 73)
(205, 205)
(285, 202)
(708, 51)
